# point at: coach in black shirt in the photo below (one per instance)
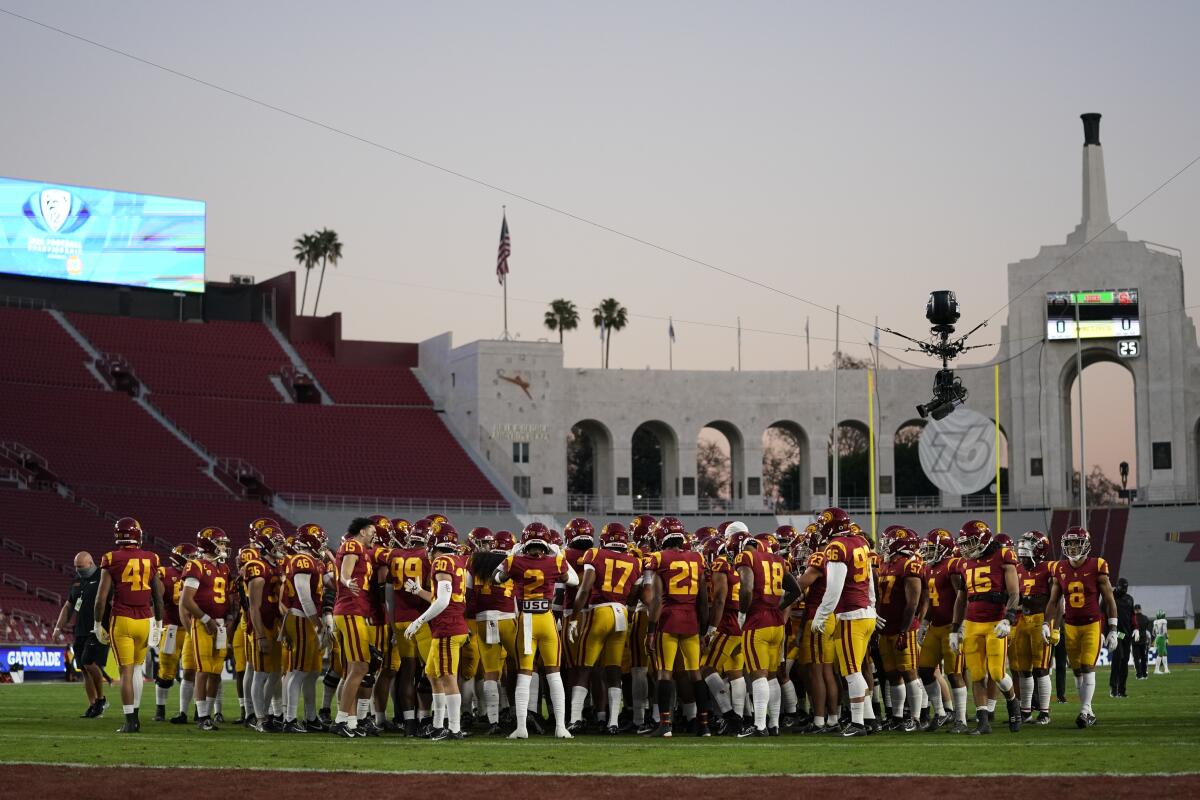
(90, 655)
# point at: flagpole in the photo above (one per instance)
(739, 320)
(807, 347)
(505, 284)
(837, 345)
(504, 276)
(871, 445)
(670, 343)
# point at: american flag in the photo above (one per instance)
(503, 253)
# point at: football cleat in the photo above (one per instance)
(130, 726)
(295, 726)
(935, 722)
(340, 729)
(1043, 718)
(250, 720)
(773, 731)
(534, 723)
(647, 727)
(519, 734)
(179, 719)
(390, 727)
(368, 727)
(410, 728)
(958, 727)
(612, 730)
(577, 726)
(663, 731)
(206, 724)
(218, 717)
(855, 729)
(91, 711)
(702, 730)
(101, 707)
(1014, 715)
(439, 734)
(160, 713)
(752, 732)
(907, 725)
(316, 726)
(563, 733)
(873, 725)
(325, 716)
(983, 724)
(495, 730)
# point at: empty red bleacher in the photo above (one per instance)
(36, 349)
(338, 450)
(176, 519)
(367, 384)
(216, 359)
(98, 438)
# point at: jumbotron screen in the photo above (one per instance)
(1103, 314)
(52, 230)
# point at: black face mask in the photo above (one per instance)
(86, 572)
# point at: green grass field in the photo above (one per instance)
(1157, 730)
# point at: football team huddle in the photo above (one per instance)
(647, 629)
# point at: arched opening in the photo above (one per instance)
(853, 467)
(655, 456)
(720, 462)
(785, 470)
(589, 465)
(1109, 427)
(912, 485)
(986, 497)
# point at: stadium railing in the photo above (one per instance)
(334, 501)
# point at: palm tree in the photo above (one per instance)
(331, 253)
(305, 253)
(611, 316)
(562, 316)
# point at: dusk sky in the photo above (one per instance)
(859, 154)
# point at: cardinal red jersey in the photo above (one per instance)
(616, 574)
(1035, 581)
(405, 564)
(377, 597)
(452, 621)
(1080, 588)
(132, 570)
(853, 551)
(816, 591)
(984, 581)
(941, 591)
(272, 577)
(728, 623)
(348, 604)
(172, 583)
(680, 572)
(310, 571)
(892, 598)
(491, 596)
(767, 589)
(575, 558)
(533, 579)
(214, 590)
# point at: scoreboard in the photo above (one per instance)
(1103, 314)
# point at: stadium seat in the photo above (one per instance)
(37, 350)
(366, 384)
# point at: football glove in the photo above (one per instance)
(100, 634)
(572, 630)
(1110, 641)
(1137, 635)
(155, 634)
(879, 623)
(956, 638)
(413, 628)
(1003, 629)
(818, 624)
(741, 620)
(921, 631)
(1047, 633)
(411, 586)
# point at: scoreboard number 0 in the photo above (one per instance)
(1128, 348)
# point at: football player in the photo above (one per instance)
(1082, 579)
(600, 622)
(410, 561)
(130, 576)
(939, 596)
(641, 544)
(206, 599)
(351, 610)
(899, 597)
(763, 579)
(677, 600)
(850, 600)
(448, 627)
(580, 536)
(816, 652)
(1030, 656)
(535, 567)
(262, 580)
(303, 628)
(174, 639)
(985, 610)
(1161, 652)
(381, 673)
(724, 662)
(495, 626)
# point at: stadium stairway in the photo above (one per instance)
(298, 362)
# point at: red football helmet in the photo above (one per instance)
(613, 536)
(580, 533)
(901, 541)
(481, 539)
(181, 554)
(400, 529)
(1076, 543)
(937, 546)
(703, 535)
(721, 528)
(383, 529)
(556, 537)
(766, 542)
(245, 555)
(128, 530)
(670, 529)
(832, 522)
(212, 542)
(786, 534)
(803, 547)
(437, 518)
(1034, 548)
(713, 547)
(536, 533)
(641, 530)
(974, 538)
(736, 542)
(265, 541)
(419, 533)
(504, 542)
(442, 536)
(262, 522)
(312, 537)
(1004, 540)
